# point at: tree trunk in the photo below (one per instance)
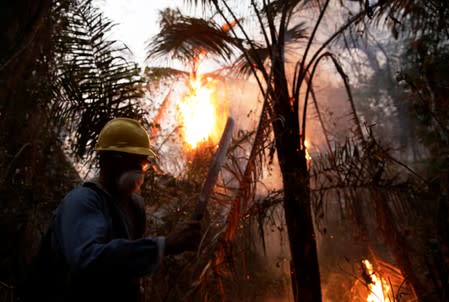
(305, 271)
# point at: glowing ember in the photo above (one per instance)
(378, 287)
(200, 113)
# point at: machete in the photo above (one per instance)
(214, 169)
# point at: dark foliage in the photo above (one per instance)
(94, 81)
(58, 74)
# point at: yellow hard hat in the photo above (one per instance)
(124, 135)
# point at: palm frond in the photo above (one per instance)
(155, 74)
(275, 8)
(356, 171)
(296, 33)
(377, 194)
(414, 17)
(245, 63)
(185, 38)
(95, 79)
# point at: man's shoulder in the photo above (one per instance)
(84, 194)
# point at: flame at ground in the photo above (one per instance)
(378, 287)
(382, 282)
(200, 113)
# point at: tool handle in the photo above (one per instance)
(214, 169)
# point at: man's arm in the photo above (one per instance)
(82, 230)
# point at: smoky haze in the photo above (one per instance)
(370, 69)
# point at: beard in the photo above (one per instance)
(130, 182)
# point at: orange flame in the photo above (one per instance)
(201, 115)
(379, 289)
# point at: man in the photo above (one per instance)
(98, 228)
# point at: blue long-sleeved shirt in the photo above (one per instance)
(94, 236)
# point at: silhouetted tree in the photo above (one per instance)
(264, 56)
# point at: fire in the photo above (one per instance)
(201, 115)
(379, 289)
(382, 283)
(308, 157)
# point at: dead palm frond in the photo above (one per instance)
(376, 194)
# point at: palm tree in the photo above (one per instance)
(284, 107)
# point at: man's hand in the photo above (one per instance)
(186, 236)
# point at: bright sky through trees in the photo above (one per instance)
(136, 21)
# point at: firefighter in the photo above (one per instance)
(98, 229)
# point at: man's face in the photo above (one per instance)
(131, 174)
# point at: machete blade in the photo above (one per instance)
(214, 169)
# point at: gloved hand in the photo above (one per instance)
(186, 236)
